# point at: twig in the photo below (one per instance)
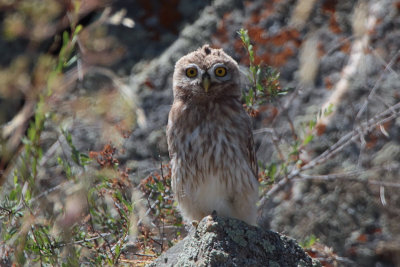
(99, 235)
(382, 195)
(363, 144)
(264, 130)
(335, 258)
(389, 184)
(339, 45)
(332, 176)
(347, 176)
(387, 115)
(376, 86)
(364, 128)
(384, 63)
(285, 112)
(144, 255)
(38, 245)
(274, 139)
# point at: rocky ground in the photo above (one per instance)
(218, 241)
(338, 52)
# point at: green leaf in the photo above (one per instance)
(328, 110)
(117, 252)
(78, 29)
(260, 88)
(65, 38)
(28, 194)
(272, 170)
(250, 96)
(160, 187)
(309, 241)
(84, 159)
(308, 139)
(251, 56)
(13, 195)
(312, 124)
(15, 178)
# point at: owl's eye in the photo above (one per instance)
(220, 71)
(191, 72)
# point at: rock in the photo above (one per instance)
(219, 241)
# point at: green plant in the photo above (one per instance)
(91, 216)
(264, 86)
(263, 80)
(309, 241)
(157, 188)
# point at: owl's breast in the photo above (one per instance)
(206, 134)
(211, 147)
(210, 144)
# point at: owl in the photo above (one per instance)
(210, 142)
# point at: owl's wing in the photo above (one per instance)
(252, 153)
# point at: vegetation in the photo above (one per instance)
(94, 215)
(263, 80)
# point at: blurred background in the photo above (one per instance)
(85, 91)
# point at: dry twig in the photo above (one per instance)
(364, 128)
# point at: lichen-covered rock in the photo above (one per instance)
(219, 241)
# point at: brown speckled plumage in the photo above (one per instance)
(210, 140)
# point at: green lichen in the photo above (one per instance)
(268, 246)
(237, 235)
(219, 255)
(273, 264)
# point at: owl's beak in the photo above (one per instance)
(206, 83)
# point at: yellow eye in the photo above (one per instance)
(191, 72)
(220, 71)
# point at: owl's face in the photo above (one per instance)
(206, 74)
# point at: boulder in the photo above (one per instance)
(219, 241)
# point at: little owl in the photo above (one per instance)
(213, 162)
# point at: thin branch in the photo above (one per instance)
(376, 86)
(385, 116)
(285, 112)
(263, 130)
(347, 176)
(38, 246)
(382, 195)
(332, 176)
(364, 128)
(274, 139)
(144, 255)
(99, 235)
(383, 62)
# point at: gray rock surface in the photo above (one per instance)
(219, 241)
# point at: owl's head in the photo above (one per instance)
(206, 74)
